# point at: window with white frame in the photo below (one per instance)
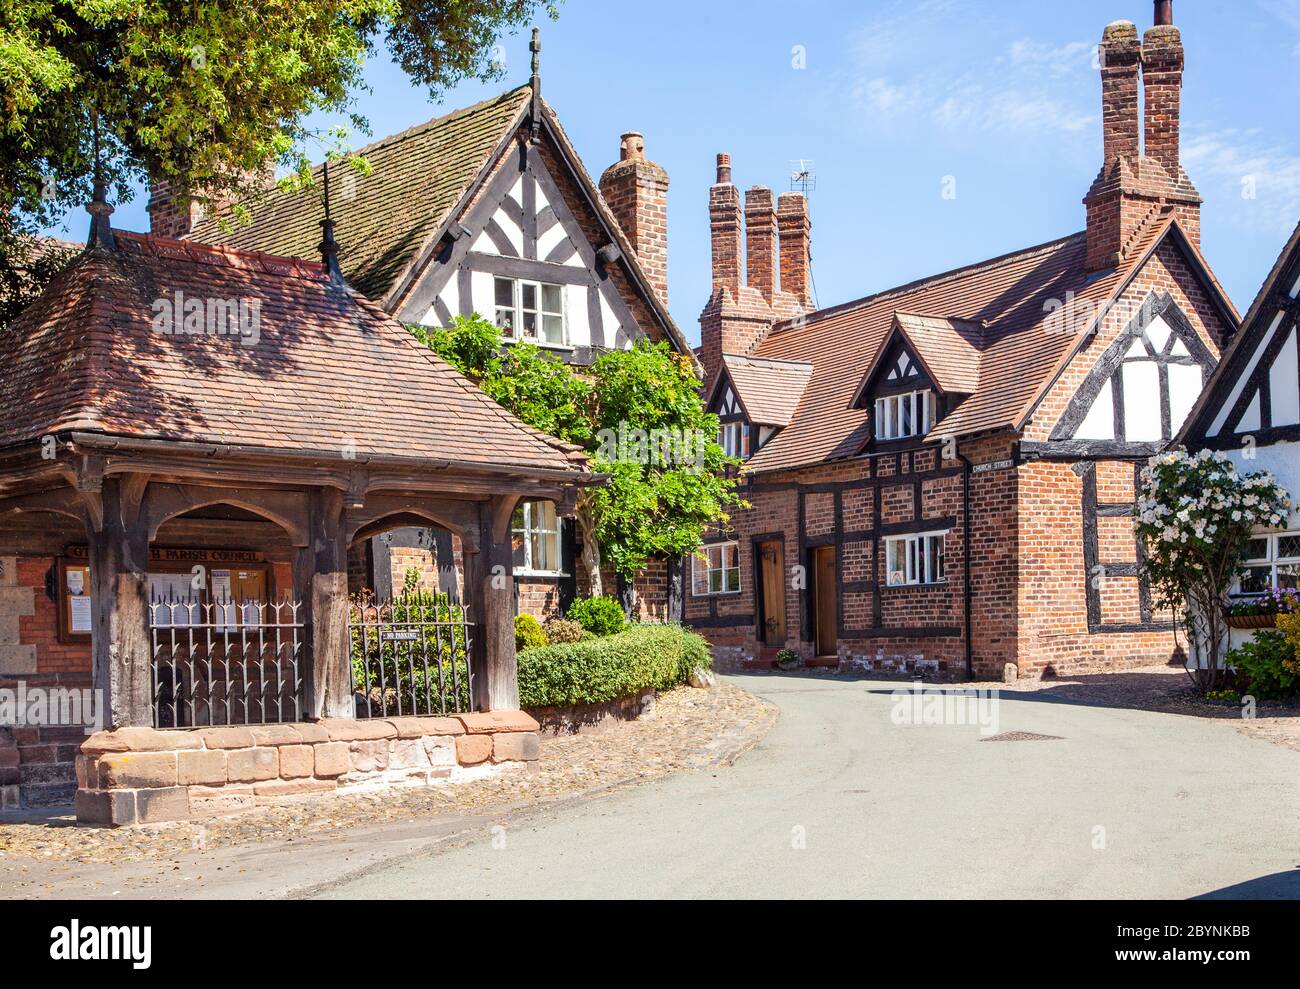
(717, 570)
(901, 416)
(731, 437)
(530, 311)
(1272, 560)
(915, 559)
(536, 538)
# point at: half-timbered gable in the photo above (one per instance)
(753, 400)
(1254, 401)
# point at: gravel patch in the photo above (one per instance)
(690, 730)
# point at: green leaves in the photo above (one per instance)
(203, 94)
(640, 415)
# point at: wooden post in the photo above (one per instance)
(492, 608)
(321, 576)
(119, 574)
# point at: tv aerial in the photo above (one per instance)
(802, 176)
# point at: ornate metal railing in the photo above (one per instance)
(226, 663)
(411, 656)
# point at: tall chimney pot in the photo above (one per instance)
(1164, 13)
(724, 169)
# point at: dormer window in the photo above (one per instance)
(901, 416)
(732, 439)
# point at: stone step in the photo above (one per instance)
(48, 794)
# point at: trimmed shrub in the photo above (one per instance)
(561, 630)
(528, 632)
(603, 616)
(607, 668)
(1268, 662)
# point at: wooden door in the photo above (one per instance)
(771, 557)
(824, 588)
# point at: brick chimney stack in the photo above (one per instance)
(167, 218)
(760, 241)
(1162, 78)
(724, 225)
(637, 192)
(796, 254)
(1140, 183)
(1121, 118)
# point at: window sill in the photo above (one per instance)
(541, 574)
(566, 347)
(716, 594)
(908, 587)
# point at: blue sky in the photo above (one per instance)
(895, 97)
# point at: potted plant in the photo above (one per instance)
(787, 659)
(1262, 611)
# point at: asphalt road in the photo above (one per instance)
(839, 801)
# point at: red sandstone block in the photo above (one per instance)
(106, 808)
(312, 732)
(359, 730)
(167, 804)
(252, 765)
(332, 758)
(226, 738)
(516, 746)
(296, 761)
(272, 789)
(473, 749)
(153, 740)
(207, 766)
(215, 801)
(420, 727)
(104, 741)
(276, 735)
(131, 770)
(481, 722)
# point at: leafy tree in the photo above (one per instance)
(639, 415)
(1195, 516)
(202, 94)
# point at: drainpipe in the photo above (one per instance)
(965, 561)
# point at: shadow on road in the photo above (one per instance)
(1278, 886)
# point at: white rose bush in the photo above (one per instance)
(1195, 517)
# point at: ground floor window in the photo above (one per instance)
(537, 539)
(716, 570)
(1272, 560)
(915, 559)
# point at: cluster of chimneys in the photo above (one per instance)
(1142, 171)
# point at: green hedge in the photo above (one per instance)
(605, 669)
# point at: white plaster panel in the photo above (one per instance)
(1100, 421)
(1185, 383)
(1141, 402)
(1284, 389)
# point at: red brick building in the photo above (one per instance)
(941, 475)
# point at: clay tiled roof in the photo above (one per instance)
(1003, 367)
(381, 220)
(768, 390)
(326, 371)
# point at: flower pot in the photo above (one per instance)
(1252, 621)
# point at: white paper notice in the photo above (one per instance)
(76, 581)
(79, 612)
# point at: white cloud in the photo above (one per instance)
(1030, 87)
(1252, 180)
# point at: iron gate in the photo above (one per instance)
(226, 664)
(411, 656)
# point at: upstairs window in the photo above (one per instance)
(731, 437)
(717, 570)
(531, 311)
(536, 532)
(915, 559)
(901, 416)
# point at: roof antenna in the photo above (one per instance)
(535, 46)
(329, 247)
(99, 208)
